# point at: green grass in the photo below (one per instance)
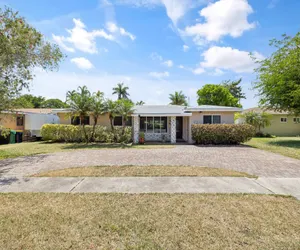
(121, 171)
(34, 148)
(148, 221)
(287, 146)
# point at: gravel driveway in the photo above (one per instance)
(240, 158)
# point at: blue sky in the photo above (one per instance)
(156, 47)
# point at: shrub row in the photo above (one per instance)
(222, 134)
(71, 133)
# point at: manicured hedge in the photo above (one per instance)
(222, 134)
(71, 133)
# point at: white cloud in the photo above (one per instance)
(273, 4)
(155, 56)
(199, 71)
(224, 17)
(175, 9)
(181, 66)
(82, 39)
(227, 58)
(168, 63)
(113, 28)
(218, 72)
(60, 41)
(186, 48)
(82, 63)
(159, 75)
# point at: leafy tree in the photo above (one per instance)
(178, 98)
(54, 104)
(80, 103)
(22, 48)
(121, 91)
(234, 88)
(29, 101)
(218, 95)
(97, 108)
(110, 107)
(124, 109)
(278, 76)
(140, 103)
(257, 119)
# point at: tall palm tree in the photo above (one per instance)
(178, 98)
(121, 91)
(97, 108)
(80, 104)
(140, 103)
(125, 109)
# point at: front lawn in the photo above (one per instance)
(148, 221)
(34, 148)
(121, 171)
(287, 146)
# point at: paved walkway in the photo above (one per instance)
(239, 158)
(284, 186)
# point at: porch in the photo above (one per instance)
(164, 129)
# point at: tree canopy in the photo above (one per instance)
(212, 94)
(178, 98)
(121, 91)
(234, 88)
(22, 48)
(54, 104)
(257, 119)
(278, 76)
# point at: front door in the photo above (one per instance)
(179, 127)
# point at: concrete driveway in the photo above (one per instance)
(239, 158)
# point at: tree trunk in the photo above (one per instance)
(94, 127)
(124, 126)
(83, 127)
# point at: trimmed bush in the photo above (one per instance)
(222, 134)
(71, 133)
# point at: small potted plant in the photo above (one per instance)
(142, 138)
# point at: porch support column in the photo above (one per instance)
(136, 129)
(173, 129)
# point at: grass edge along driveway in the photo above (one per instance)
(34, 148)
(125, 171)
(287, 146)
(148, 221)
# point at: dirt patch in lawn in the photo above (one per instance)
(122, 171)
(148, 221)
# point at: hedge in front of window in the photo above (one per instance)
(222, 134)
(71, 133)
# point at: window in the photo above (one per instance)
(297, 120)
(283, 120)
(150, 124)
(76, 120)
(153, 124)
(20, 120)
(143, 124)
(118, 121)
(211, 119)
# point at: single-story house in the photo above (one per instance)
(159, 122)
(282, 123)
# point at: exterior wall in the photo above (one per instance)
(283, 129)
(197, 118)
(103, 120)
(10, 121)
(226, 117)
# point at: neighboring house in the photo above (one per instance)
(282, 123)
(29, 120)
(169, 122)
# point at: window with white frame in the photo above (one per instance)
(283, 120)
(296, 119)
(211, 119)
(151, 124)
